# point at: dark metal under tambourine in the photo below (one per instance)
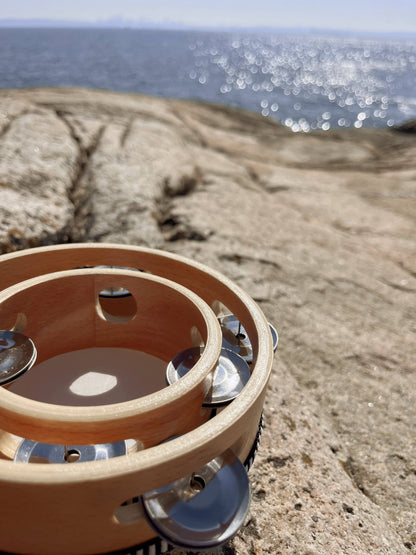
(133, 383)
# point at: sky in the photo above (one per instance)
(355, 15)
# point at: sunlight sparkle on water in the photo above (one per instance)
(353, 78)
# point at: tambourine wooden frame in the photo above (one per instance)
(71, 509)
(63, 315)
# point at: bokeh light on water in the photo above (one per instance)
(310, 83)
(305, 81)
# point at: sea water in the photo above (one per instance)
(305, 81)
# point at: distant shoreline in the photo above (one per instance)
(147, 26)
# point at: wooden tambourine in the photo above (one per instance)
(133, 383)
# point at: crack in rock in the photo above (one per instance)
(79, 193)
(171, 225)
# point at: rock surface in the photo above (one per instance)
(319, 229)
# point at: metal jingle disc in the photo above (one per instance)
(17, 355)
(35, 452)
(204, 510)
(235, 337)
(115, 292)
(275, 337)
(231, 374)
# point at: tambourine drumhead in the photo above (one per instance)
(93, 377)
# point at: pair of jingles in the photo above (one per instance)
(167, 466)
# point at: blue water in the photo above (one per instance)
(306, 81)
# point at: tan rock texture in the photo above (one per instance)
(320, 229)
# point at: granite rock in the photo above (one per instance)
(319, 229)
